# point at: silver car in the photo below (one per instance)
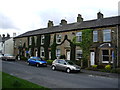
(66, 65)
(8, 57)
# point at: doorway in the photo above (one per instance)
(68, 55)
(92, 58)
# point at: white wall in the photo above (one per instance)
(9, 46)
(1, 48)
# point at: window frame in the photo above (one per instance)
(105, 37)
(30, 40)
(79, 36)
(42, 51)
(109, 56)
(95, 36)
(42, 39)
(81, 52)
(58, 54)
(58, 37)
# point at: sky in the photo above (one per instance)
(20, 16)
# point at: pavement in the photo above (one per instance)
(112, 75)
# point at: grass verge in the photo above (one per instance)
(9, 81)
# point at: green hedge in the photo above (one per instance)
(49, 62)
(23, 58)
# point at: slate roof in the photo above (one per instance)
(103, 22)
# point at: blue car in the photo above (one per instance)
(36, 61)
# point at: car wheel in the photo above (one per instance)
(68, 70)
(37, 65)
(28, 63)
(53, 67)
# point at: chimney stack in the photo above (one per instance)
(79, 18)
(99, 15)
(8, 35)
(3, 35)
(14, 34)
(63, 22)
(50, 23)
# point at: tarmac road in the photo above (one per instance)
(57, 79)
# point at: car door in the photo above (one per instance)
(32, 61)
(61, 65)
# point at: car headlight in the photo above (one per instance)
(73, 67)
(40, 62)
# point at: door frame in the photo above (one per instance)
(92, 59)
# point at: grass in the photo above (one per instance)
(9, 81)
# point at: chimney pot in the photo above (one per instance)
(63, 22)
(79, 18)
(99, 15)
(50, 23)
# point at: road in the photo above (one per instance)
(57, 79)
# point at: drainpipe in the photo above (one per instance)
(117, 47)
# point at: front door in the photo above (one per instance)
(36, 53)
(68, 55)
(92, 58)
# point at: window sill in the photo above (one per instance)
(106, 61)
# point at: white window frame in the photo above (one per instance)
(95, 36)
(58, 37)
(109, 55)
(79, 36)
(78, 51)
(42, 51)
(42, 39)
(105, 37)
(58, 52)
(30, 40)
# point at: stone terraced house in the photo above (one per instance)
(93, 42)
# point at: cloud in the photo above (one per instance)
(6, 22)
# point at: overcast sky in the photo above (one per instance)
(24, 15)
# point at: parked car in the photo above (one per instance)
(1, 56)
(8, 57)
(66, 65)
(36, 61)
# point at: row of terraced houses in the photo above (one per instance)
(94, 41)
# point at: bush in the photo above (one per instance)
(94, 66)
(49, 62)
(23, 58)
(108, 68)
(101, 66)
(77, 62)
(115, 70)
(62, 57)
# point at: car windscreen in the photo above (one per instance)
(7, 55)
(70, 63)
(37, 58)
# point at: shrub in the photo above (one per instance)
(108, 68)
(101, 66)
(115, 70)
(62, 57)
(23, 58)
(94, 66)
(77, 62)
(49, 62)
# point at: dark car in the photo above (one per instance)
(8, 57)
(36, 61)
(66, 65)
